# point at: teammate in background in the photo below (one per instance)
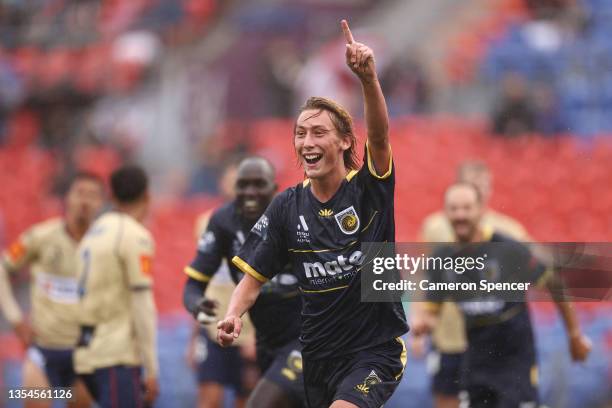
(448, 338)
(276, 314)
(49, 248)
(116, 309)
(215, 367)
(352, 353)
(500, 361)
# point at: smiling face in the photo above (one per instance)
(255, 187)
(319, 147)
(463, 209)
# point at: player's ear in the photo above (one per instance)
(345, 142)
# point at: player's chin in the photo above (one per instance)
(312, 173)
(252, 214)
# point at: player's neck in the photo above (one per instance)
(75, 230)
(135, 211)
(324, 188)
(478, 236)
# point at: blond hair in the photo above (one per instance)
(342, 122)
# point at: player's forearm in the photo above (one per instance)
(8, 305)
(566, 310)
(145, 325)
(557, 290)
(192, 293)
(244, 296)
(375, 112)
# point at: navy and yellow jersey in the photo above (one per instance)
(322, 241)
(276, 313)
(498, 327)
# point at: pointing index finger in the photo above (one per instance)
(347, 32)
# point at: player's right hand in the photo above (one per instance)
(151, 390)
(24, 333)
(580, 347)
(228, 330)
(205, 312)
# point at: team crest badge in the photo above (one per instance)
(347, 220)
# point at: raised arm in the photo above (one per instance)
(360, 59)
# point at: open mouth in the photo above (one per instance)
(250, 205)
(312, 158)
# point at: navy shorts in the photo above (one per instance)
(513, 385)
(366, 378)
(283, 366)
(446, 371)
(57, 365)
(220, 365)
(116, 387)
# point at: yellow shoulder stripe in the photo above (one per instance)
(372, 169)
(350, 175)
(246, 268)
(197, 275)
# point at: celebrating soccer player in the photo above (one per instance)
(276, 314)
(117, 311)
(50, 249)
(352, 353)
(500, 362)
(448, 338)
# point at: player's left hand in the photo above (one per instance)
(205, 312)
(359, 57)
(151, 390)
(24, 333)
(580, 346)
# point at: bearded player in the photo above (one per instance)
(352, 353)
(499, 366)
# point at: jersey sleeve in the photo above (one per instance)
(137, 250)
(368, 163)
(377, 185)
(212, 247)
(22, 251)
(530, 268)
(264, 253)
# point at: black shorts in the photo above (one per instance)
(57, 365)
(283, 366)
(366, 378)
(513, 385)
(116, 387)
(446, 372)
(220, 365)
